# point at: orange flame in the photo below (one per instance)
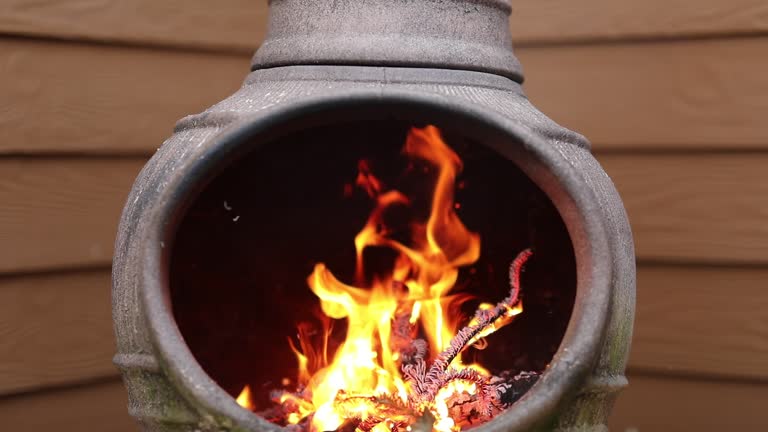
(366, 366)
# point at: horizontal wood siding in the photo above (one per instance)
(91, 407)
(668, 404)
(700, 320)
(683, 95)
(672, 93)
(567, 21)
(97, 99)
(695, 207)
(688, 323)
(62, 213)
(55, 329)
(74, 98)
(649, 404)
(239, 25)
(228, 25)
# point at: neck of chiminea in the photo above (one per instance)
(443, 34)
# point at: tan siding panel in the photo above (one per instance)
(705, 321)
(59, 213)
(695, 207)
(55, 329)
(656, 404)
(225, 24)
(688, 208)
(649, 404)
(688, 94)
(586, 20)
(96, 407)
(240, 24)
(63, 97)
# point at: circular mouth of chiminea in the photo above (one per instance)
(322, 276)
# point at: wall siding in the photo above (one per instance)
(239, 25)
(62, 213)
(672, 93)
(682, 327)
(681, 95)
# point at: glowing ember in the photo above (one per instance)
(401, 359)
(244, 399)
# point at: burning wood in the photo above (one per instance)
(400, 366)
(459, 397)
(427, 385)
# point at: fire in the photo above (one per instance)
(377, 378)
(445, 422)
(244, 399)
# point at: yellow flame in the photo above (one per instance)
(244, 398)
(365, 364)
(505, 319)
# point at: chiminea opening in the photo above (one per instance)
(258, 225)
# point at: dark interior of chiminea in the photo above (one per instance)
(247, 243)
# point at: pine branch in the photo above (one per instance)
(427, 384)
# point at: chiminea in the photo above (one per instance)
(378, 231)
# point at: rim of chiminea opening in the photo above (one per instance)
(536, 157)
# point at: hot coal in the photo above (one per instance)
(478, 399)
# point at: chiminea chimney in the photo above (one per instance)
(214, 240)
(470, 35)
